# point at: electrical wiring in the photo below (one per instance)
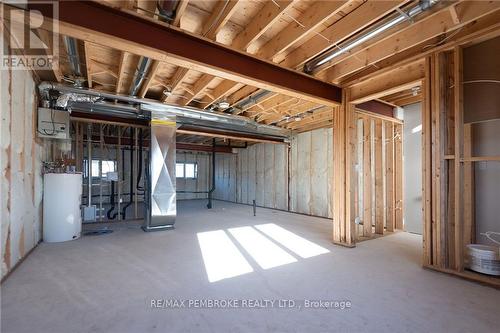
(443, 40)
(53, 125)
(488, 234)
(319, 34)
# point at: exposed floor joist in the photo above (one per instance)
(94, 22)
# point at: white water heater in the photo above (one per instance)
(62, 195)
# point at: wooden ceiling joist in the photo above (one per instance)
(430, 26)
(47, 40)
(179, 76)
(310, 20)
(179, 11)
(399, 79)
(224, 88)
(119, 79)
(88, 63)
(484, 28)
(366, 14)
(219, 17)
(268, 15)
(125, 31)
(198, 87)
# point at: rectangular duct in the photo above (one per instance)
(161, 191)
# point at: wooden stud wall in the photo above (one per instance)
(380, 175)
(448, 177)
(398, 176)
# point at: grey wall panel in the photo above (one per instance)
(295, 178)
(231, 171)
(304, 173)
(330, 171)
(269, 166)
(260, 169)
(243, 154)
(281, 176)
(225, 177)
(319, 173)
(251, 173)
(238, 178)
(293, 174)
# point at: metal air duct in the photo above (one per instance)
(82, 98)
(73, 55)
(140, 74)
(161, 187)
(167, 9)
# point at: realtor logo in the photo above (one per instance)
(29, 40)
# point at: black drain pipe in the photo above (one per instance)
(112, 202)
(132, 148)
(210, 192)
(139, 164)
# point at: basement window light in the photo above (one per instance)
(107, 166)
(186, 170)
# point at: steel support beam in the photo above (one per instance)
(205, 148)
(377, 107)
(114, 27)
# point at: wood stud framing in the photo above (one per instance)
(377, 175)
(448, 177)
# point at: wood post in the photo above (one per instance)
(389, 176)
(398, 175)
(427, 165)
(459, 227)
(379, 186)
(343, 149)
(367, 178)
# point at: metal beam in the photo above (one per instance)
(205, 148)
(127, 31)
(377, 107)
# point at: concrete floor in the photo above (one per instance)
(105, 283)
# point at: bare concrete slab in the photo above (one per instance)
(106, 283)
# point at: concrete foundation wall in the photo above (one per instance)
(21, 168)
(275, 176)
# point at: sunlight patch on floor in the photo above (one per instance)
(263, 251)
(300, 246)
(221, 257)
(264, 243)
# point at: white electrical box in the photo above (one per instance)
(53, 124)
(89, 213)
